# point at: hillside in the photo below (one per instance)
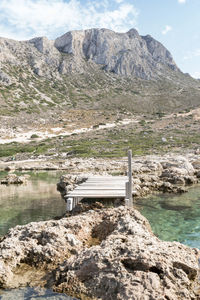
(85, 79)
(92, 69)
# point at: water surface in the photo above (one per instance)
(36, 200)
(174, 217)
(31, 294)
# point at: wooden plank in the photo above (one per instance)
(97, 196)
(108, 178)
(98, 189)
(104, 184)
(101, 187)
(96, 193)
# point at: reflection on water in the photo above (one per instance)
(174, 217)
(31, 294)
(36, 200)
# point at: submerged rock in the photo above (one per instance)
(31, 294)
(102, 254)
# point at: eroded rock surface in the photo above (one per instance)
(102, 254)
(127, 54)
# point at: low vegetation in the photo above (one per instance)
(155, 135)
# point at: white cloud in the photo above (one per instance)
(181, 1)
(29, 18)
(166, 29)
(196, 75)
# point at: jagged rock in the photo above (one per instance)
(105, 254)
(127, 54)
(121, 53)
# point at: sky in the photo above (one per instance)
(174, 23)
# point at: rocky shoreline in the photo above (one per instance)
(106, 253)
(170, 173)
(152, 173)
(101, 254)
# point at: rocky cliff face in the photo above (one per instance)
(127, 54)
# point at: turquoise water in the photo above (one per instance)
(36, 200)
(174, 217)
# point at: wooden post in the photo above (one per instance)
(69, 205)
(127, 201)
(130, 176)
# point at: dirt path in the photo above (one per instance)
(26, 137)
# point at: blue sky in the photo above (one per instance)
(175, 23)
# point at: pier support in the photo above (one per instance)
(129, 184)
(69, 205)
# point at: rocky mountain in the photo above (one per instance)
(126, 54)
(92, 68)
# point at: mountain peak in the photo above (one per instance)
(127, 54)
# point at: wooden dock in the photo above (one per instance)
(103, 187)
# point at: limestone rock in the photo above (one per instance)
(122, 53)
(103, 254)
(127, 54)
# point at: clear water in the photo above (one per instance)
(36, 200)
(31, 294)
(174, 217)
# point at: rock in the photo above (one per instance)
(14, 179)
(4, 78)
(127, 54)
(121, 53)
(104, 254)
(169, 173)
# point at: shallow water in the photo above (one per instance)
(31, 294)
(174, 217)
(36, 200)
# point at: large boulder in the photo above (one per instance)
(104, 254)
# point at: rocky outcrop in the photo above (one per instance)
(5, 79)
(127, 54)
(14, 179)
(104, 254)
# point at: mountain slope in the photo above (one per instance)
(92, 69)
